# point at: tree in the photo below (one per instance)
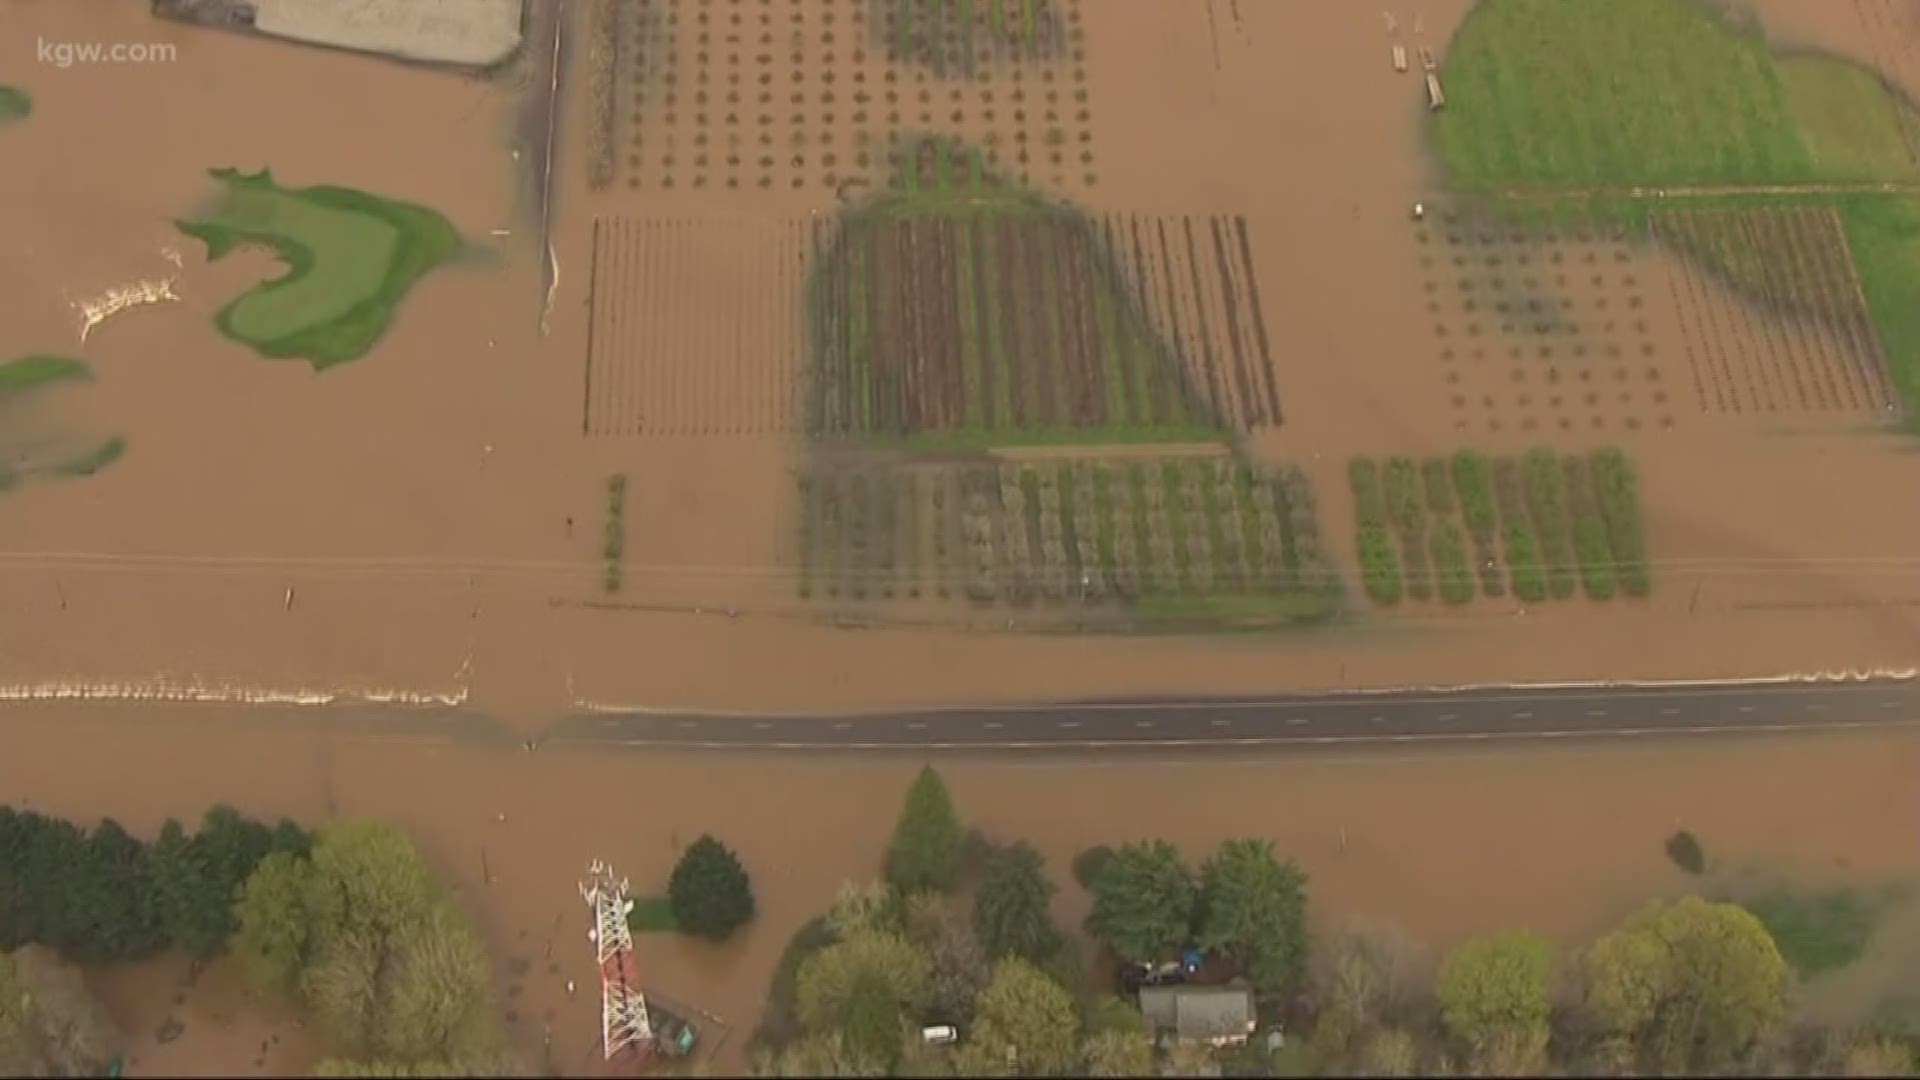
(829, 978)
(197, 878)
(1362, 976)
(1389, 1052)
(959, 969)
(925, 853)
(50, 1024)
(1025, 1025)
(389, 965)
(1142, 901)
(272, 930)
(1691, 983)
(1190, 1059)
(824, 1053)
(1493, 995)
(1010, 912)
(709, 891)
(1877, 1055)
(1254, 909)
(104, 900)
(873, 906)
(1117, 1053)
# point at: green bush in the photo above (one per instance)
(1439, 486)
(1684, 849)
(1471, 477)
(1450, 560)
(1547, 502)
(1379, 565)
(1817, 932)
(1618, 493)
(1088, 864)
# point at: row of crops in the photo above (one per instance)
(1540, 526)
(1200, 536)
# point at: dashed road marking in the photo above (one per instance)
(1669, 712)
(1068, 724)
(1747, 708)
(1522, 716)
(1296, 720)
(993, 725)
(762, 725)
(1379, 719)
(1596, 712)
(917, 725)
(1889, 704)
(843, 725)
(696, 723)
(1449, 716)
(1815, 706)
(1143, 723)
(1222, 723)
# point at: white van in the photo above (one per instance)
(940, 1034)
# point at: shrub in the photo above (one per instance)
(709, 890)
(1817, 932)
(1684, 849)
(1088, 864)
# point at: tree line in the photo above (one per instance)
(348, 922)
(960, 932)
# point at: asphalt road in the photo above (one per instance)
(1305, 720)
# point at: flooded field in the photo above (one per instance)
(1572, 832)
(429, 522)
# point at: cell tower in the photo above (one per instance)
(626, 1030)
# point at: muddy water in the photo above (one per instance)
(1572, 833)
(437, 514)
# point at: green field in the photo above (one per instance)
(351, 258)
(31, 371)
(22, 458)
(1429, 529)
(14, 104)
(1546, 96)
(1642, 93)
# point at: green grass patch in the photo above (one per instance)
(92, 461)
(1850, 123)
(1884, 234)
(39, 370)
(1817, 932)
(652, 915)
(1546, 93)
(351, 258)
(15, 104)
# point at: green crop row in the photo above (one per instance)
(1618, 493)
(1547, 502)
(1522, 545)
(1450, 559)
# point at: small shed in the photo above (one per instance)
(1217, 1015)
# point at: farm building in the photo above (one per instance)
(468, 33)
(1218, 1015)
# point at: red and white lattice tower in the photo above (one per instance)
(625, 1028)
